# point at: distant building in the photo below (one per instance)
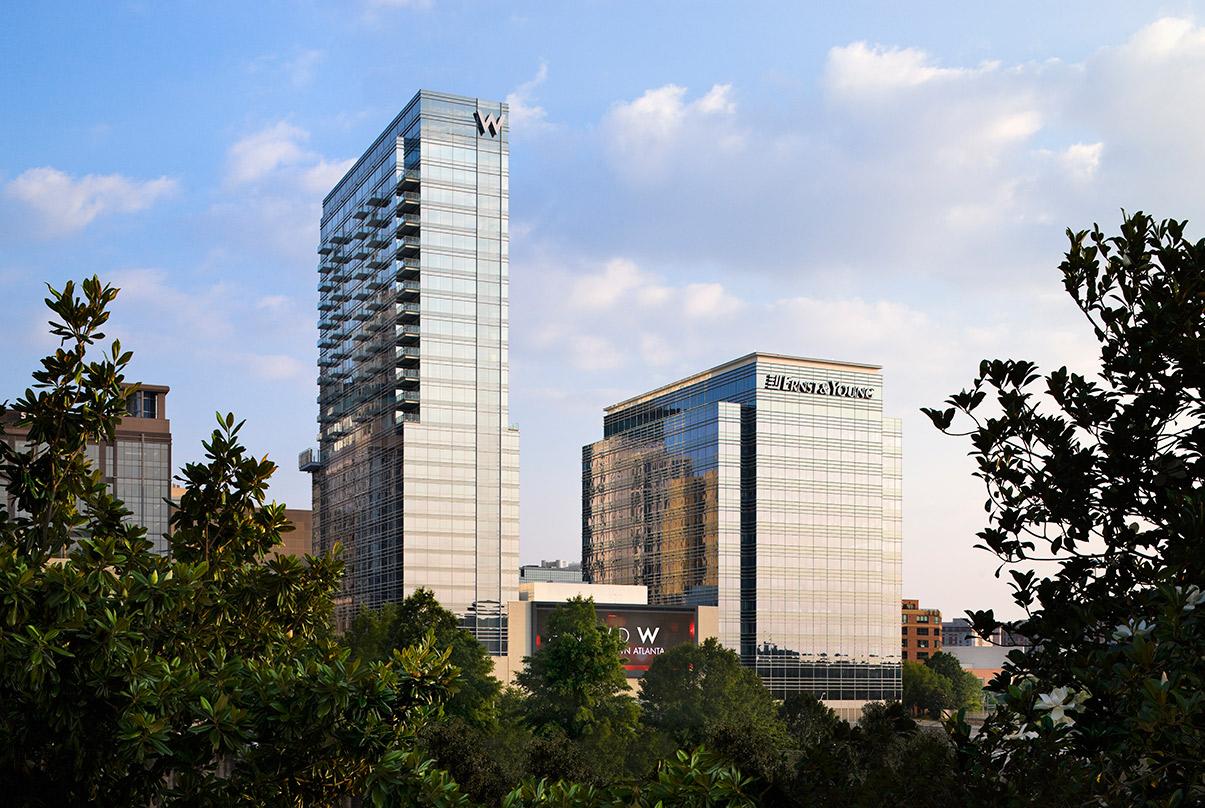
(920, 631)
(958, 633)
(767, 487)
(648, 631)
(136, 465)
(563, 571)
(983, 661)
(298, 542)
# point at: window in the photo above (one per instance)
(922, 654)
(922, 643)
(922, 618)
(142, 405)
(904, 654)
(922, 632)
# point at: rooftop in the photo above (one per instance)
(756, 356)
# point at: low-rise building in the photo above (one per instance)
(959, 633)
(136, 464)
(983, 661)
(564, 571)
(920, 631)
(649, 630)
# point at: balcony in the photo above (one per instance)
(326, 285)
(405, 355)
(406, 290)
(403, 417)
(379, 199)
(310, 460)
(408, 223)
(407, 311)
(327, 305)
(409, 181)
(408, 246)
(326, 249)
(407, 376)
(406, 333)
(340, 238)
(408, 199)
(360, 212)
(406, 397)
(407, 268)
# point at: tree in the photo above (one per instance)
(703, 695)
(808, 720)
(1095, 506)
(966, 690)
(925, 690)
(374, 635)
(207, 678)
(575, 681)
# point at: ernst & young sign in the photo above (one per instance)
(648, 631)
(779, 381)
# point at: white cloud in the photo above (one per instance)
(593, 353)
(1081, 160)
(64, 204)
(706, 301)
(860, 70)
(602, 290)
(260, 153)
(644, 135)
(273, 367)
(525, 114)
(274, 189)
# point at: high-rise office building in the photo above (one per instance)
(416, 471)
(769, 487)
(136, 465)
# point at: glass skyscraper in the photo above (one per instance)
(416, 472)
(769, 487)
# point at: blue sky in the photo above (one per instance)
(885, 183)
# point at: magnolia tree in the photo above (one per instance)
(1095, 509)
(207, 678)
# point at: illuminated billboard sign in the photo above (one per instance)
(649, 631)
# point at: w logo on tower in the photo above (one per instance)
(488, 123)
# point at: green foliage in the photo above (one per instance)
(1102, 477)
(702, 695)
(697, 779)
(965, 688)
(940, 683)
(925, 690)
(209, 678)
(374, 635)
(808, 719)
(574, 684)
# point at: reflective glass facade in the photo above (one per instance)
(769, 487)
(416, 473)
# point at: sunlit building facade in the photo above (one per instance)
(416, 472)
(136, 464)
(769, 487)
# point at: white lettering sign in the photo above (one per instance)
(779, 381)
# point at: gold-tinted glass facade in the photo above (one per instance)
(769, 487)
(417, 469)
